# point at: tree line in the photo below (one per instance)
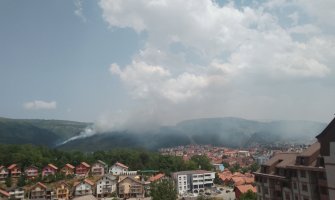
(135, 159)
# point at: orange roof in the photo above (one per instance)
(11, 166)
(52, 166)
(69, 166)
(3, 192)
(245, 188)
(88, 182)
(40, 184)
(121, 165)
(238, 180)
(85, 164)
(157, 177)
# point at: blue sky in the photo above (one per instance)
(121, 63)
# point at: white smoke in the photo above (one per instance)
(89, 131)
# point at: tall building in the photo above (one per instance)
(293, 176)
(193, 181)
(309, 175)
(327, 151)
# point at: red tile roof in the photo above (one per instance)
(3, 192)
(85, 164)
(41, 184)
(52, 166)
(69, 166)
(88, 182)
(245, 188)
(157, 177)
(121, 165)
(12, 166)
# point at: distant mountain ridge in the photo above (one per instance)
(227, 131)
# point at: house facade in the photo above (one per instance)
(62, 191)
(31, 172)
(327, 151)
(17, 194)
(294, 176)
(121, 169)
(38, 192)
(193, 181)
(68, 169)
(84, 187)
(106, 186)
(48, 170)
(14, 171)
(83, 169)
(3, 173)
(130, 187)
(99, 168)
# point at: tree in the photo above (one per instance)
(217, 179)
(164, 190)
(249, 195)
(202, 161)
(8, 181)
(22, 181)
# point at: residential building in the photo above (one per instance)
(38, 191)
(3, 173)
(129, 187)
(62, 191)
(241, 189)
(4, 194)
(84, 187)
(31, 172)
(68, 169)
(327, 151)
(14, 170)
(121, 169)
(48, 170)
(99, 168)
(106, 186)
(17, 193)
(83, 169)
(293, 176)
(193, 181)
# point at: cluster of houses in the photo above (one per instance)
(96, 180)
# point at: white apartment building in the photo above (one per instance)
(106, 185)
(193, 181)
(17, 194)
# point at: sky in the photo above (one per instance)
(157, 62)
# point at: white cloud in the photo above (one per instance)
(40, 105)
(79, 10)
(199, 53)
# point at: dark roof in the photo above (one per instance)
(331, 126)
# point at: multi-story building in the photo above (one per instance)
(17, 193)
(62, 191)
(3, 173)
(130, 187)
(68, 169)
(106, 186)
(293, 176)
(83, 188)
(121, 169)
(99, 168)
(83, 169)
(31, 172)
(49, 170)
(38, 192)
(193, 181)
(14, 170)
(327, 151)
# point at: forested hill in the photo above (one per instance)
(38, 132)
(228, 131)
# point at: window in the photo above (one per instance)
(266, 190)
(304, 187)
(295, 185)
(287, 196)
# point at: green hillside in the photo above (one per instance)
(39, 132)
